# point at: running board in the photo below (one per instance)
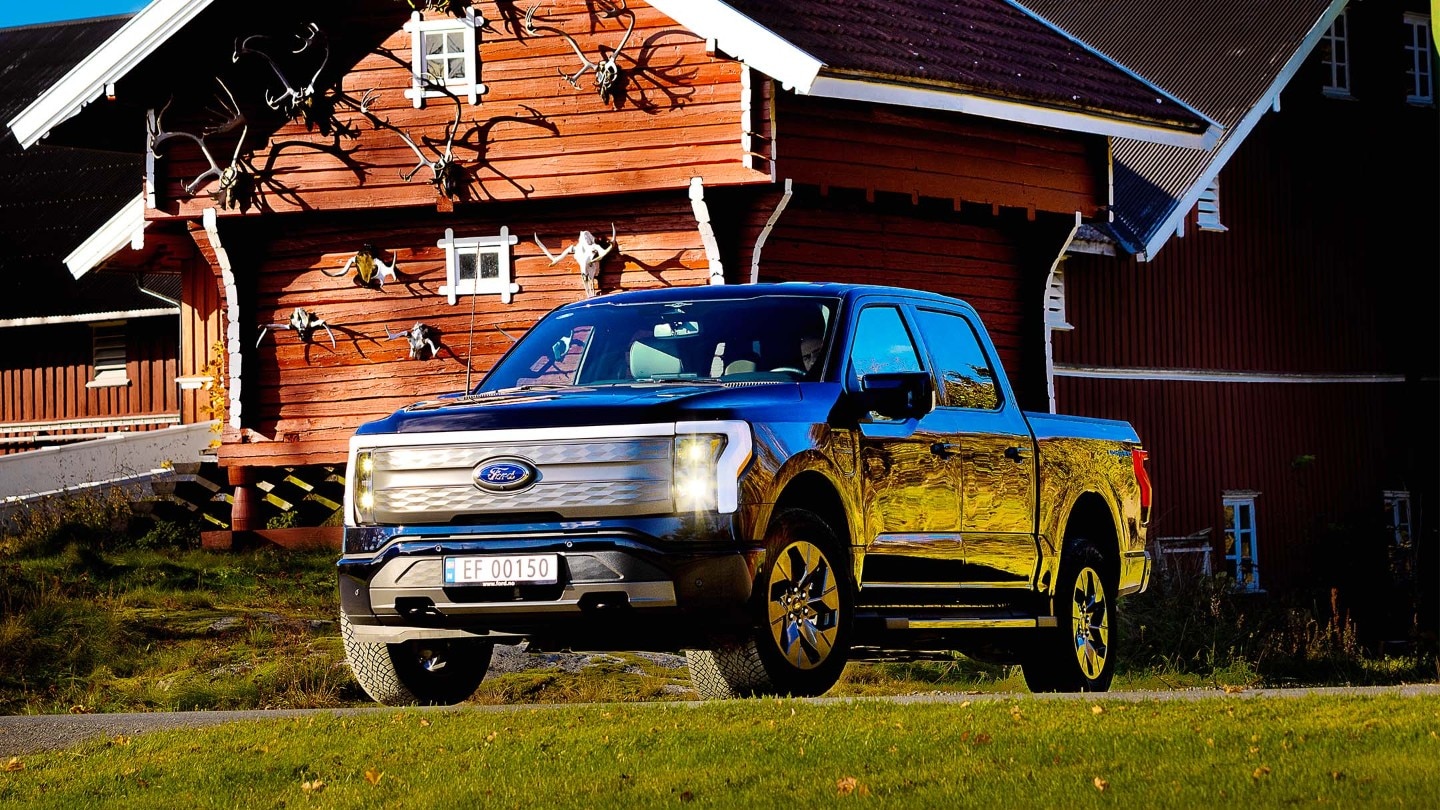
(969, 623)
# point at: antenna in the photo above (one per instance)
(470, 347)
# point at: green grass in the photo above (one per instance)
(1035, 752)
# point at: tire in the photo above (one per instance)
(1079, 654)
(439, 672)
(801, 611)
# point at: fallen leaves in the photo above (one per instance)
(1102, 784)
(1263, 770)
(14, 764)
(373, 776)
(312, 786)
(1097, 709)
(849, 785)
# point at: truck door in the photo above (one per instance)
(985, 432)
(909, 493)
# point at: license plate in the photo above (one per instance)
(508, 569)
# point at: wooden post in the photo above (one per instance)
(244, 510)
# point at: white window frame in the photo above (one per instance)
(1207, 213)
(469, 86)
(1235, 534)
(109, 353)
(1337, 59)
(499, 246)
(1417, 50)
(1397, 517)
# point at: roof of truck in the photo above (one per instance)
(818, 289)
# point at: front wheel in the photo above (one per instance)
(1078, 655)
(801, 613)
(437, 672)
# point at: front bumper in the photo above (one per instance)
(618, 588)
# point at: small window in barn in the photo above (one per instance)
(478, 265)
(1208, 208)
(109, 355)
(1055, 300)
(1241, 554)
(1420, 82)
(1397, 514)
(443, 52)
(1335, 56)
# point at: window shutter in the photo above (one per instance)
(1055, 301)
(1209, 208)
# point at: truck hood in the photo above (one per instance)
(567, 406)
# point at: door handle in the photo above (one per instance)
(945, 449)
(1015, 454)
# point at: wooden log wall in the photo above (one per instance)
(303, 400)
(532, 136)
(922, 153)
(44, 370)
(839, 237)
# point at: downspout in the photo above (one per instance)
(1047, 323)
(707, 230)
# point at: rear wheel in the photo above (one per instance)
(1078, 655)
(433, 672)
(801, 613)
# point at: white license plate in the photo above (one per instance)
(508, 569)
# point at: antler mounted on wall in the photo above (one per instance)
(304, 101)
(446, 174)
(588, 251)
(303, 322)
(235, 184)
(369, 270)
(606, 70)
(420, 337)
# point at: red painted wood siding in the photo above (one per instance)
(921, 153)
(44, 370)
(303, 400)
(681, 116)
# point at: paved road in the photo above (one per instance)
(23, 734)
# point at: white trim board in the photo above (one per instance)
(1215, 375)
(87, 81)
(125, 229)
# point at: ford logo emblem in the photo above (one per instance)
(505, 475)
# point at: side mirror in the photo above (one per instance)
(897, 394)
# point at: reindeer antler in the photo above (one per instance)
(606, 69)
(447, 175)
(293, 100)
(230, 176)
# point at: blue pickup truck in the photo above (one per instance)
(773, 478)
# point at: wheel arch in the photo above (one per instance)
(1091, 518)
(813, 491)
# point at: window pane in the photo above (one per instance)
(489, 265)
(432, 44)
(465, 269)
(456, 69)
(455, 41)
(882, 343)
(436, 68)
(967, 379)
(1243, 512)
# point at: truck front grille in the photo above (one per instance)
(580, 479)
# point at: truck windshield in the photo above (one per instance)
(770, 339)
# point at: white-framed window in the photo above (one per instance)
(1208, 208)
(444, 51)
(478, 265)
(1397, 516)
(109, 355)
(1335, 56)
(1241, 553)
(1420, 78)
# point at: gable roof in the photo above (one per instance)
(1229, 59)
(982, 57)
(51, 197)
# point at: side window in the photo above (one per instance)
(1241, 552)
(1334, 51)
(967, 378)
(882, 343)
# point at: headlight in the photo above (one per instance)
(362, 487)
(696, 456)
(709, 457)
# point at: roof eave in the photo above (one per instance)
(745, 40)
(1021, 112)
(119, 54)
(1238, 133)
(125, 229)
